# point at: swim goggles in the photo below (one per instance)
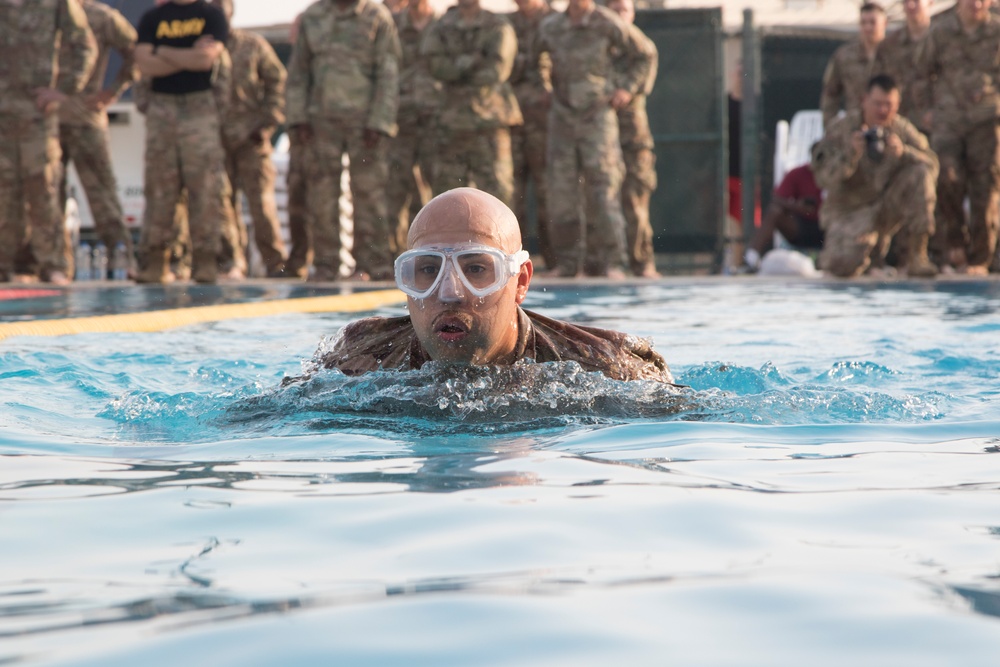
(480, 268)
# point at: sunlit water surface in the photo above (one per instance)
(825, 491)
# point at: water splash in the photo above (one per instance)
(528, 398)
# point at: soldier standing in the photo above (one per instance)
(411, 154)
(853, 64)
(960, 61)
(899, 60)
(533, 88)
(300, 255)
(343, 95)
(83, 124)
(640, 160)
(584, 43)
(255, 108)
(471, 51)
(179, 44)
(31, 87)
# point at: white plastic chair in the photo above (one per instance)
(792, 145)
(793, 141)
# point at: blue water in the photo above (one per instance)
(825, 491)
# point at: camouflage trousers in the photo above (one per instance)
(411, 160)
(369, 173)
(638, 186)
(184, 151)
(477, 159)
(528, 148)
(88, 148)
(906, 206)
(300, 256)
(970, 166)
(585, 166)
(251, 171)
(30, 171)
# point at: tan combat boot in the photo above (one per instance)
(919, 265)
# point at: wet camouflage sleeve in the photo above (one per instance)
(377, 343)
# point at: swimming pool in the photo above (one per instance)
(825, 492)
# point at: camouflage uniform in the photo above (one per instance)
(583, 133)
(344, 79)
(640, 171)
(533, 88)
(846, 79)
(255, 108)
(30, 169)
(964, 72)
(473, 61)
(411, 154)
(83, 132)
(868, 201)
(300, 256)
(898, 58)
(376, 343)
(184, 153)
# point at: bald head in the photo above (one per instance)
(466, 215)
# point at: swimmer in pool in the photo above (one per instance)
(465, 276)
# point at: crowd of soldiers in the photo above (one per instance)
(535, 106)
(900, 185)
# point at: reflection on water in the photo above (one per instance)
(821, 491)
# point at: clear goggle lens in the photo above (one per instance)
(481, 269)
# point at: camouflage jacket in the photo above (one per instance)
(852, 181)
(345, 67)
(846, 78)
(474, 61)
(419, 92)
(963, 71)
(378, 343)
(899, 54)
(30, 39)
(257, 87)
(592, 59)
(111, 31)
(532, 82)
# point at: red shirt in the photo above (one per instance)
(799, 185)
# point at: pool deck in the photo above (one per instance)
(40, 301)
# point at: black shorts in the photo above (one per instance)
(808, 235)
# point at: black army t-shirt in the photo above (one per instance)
(181, 26)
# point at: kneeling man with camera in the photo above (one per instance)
(879, 174)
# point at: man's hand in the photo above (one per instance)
(620, 99)
(47, 99)
(858, 144)
(303, 133)
(99, 101)
(893, 146)
(370, 138)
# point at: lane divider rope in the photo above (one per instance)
(158, 320)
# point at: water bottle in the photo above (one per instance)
(99, 262)
(83, 261)
(119, 262)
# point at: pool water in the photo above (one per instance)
(824, 491)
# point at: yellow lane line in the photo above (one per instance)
(158, 320)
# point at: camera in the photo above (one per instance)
(875, 143)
